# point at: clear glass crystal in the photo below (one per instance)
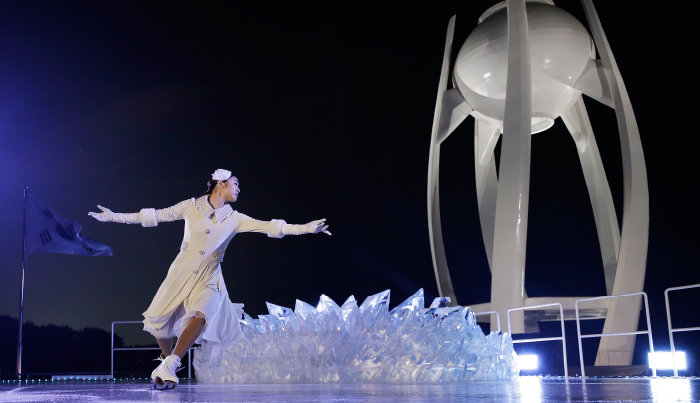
(350, 344)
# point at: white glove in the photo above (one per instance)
(105, 216)
(108, 215)
(314, 227)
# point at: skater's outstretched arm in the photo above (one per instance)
(148, 217)
(314, 227)
(278, 228)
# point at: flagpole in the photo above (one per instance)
(21, 292)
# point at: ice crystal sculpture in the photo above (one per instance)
(351, 344)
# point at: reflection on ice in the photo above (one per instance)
(530, 389)
(671, 389)
(369, 343)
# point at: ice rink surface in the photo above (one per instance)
(523, 389)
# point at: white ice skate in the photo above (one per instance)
(163, 376)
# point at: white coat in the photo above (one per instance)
(194, 285)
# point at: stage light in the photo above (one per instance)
(664, 360)
(527, 361)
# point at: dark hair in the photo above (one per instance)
(211, 184)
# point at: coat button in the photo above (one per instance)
(201, 252)
(207, 231)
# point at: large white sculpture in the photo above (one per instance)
(522, 67)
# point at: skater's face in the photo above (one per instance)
(231, 189)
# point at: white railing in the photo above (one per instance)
(113, 349)
(562, 338)
(498, 317)
(671, 330)
(580, 336)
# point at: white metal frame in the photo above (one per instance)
(563, 334)
(671, 329)
(498, 317)
(503, 193)
(113, 349)
(580, 336)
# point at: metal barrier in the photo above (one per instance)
(578, 327)
(563, 335)
(111, 371)
(671, 329)
(498, 317)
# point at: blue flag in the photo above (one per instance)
(47, 232)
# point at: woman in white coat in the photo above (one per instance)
(192, 303)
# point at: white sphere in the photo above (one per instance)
(560, 48)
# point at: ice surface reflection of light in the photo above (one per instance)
(530, 389)
(670, 389)
(664, 360)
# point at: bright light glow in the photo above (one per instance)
(671, 389)
(664, 360)
(530, 389)
(527, 361)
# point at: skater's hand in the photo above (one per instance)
(316, 226)
(105, 216)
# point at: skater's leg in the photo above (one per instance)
(166, 346)
(164, 376)
(189, 335)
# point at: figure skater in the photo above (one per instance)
(192, 303)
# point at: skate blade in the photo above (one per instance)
(158, 384)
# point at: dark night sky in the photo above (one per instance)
(320, 111)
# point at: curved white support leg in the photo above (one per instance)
(510, 231)
(486, 136)
(623, 315)
(450, 111)
(577, 121)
